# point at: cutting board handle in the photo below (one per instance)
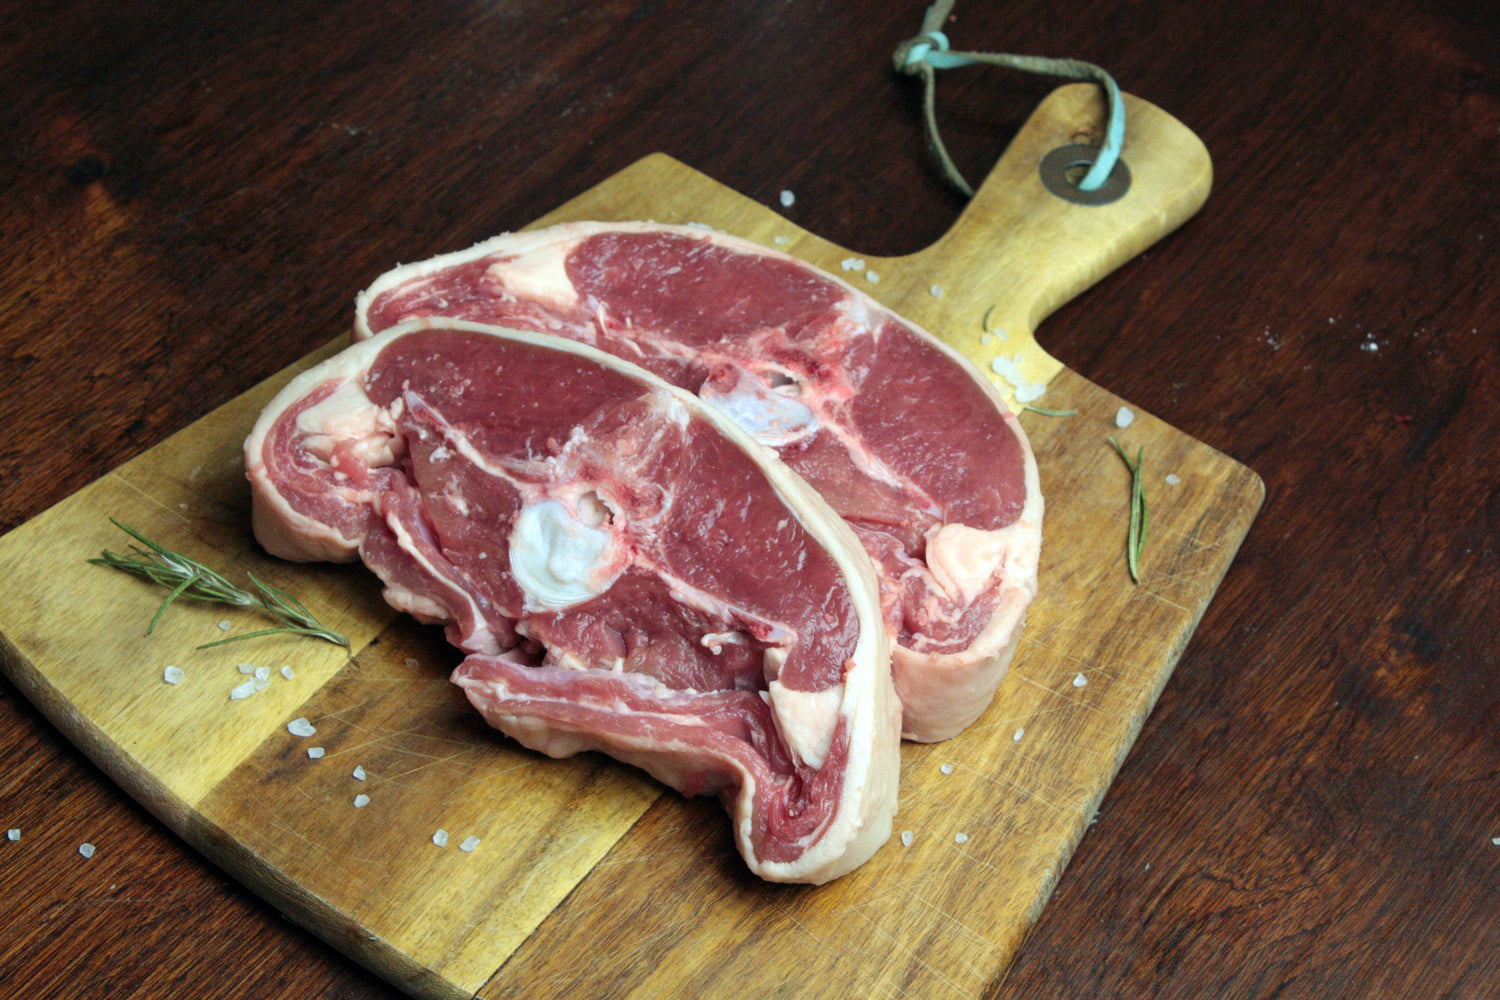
(1022, 251)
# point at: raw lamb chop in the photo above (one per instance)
(911, 445)
(627, 570)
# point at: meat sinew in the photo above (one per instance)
(626, 570)
(906, 441)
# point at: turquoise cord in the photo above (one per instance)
(930, 51)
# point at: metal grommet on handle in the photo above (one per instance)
(1065, 166)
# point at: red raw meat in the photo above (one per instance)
(626, 569)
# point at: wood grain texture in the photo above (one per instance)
(191, 191)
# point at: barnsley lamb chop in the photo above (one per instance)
(627, 570)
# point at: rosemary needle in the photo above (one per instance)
(1139, 514)
(1049, 413)
(189, 578)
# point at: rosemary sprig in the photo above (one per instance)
(1139, 514)
(190, 578)
(1029, 408)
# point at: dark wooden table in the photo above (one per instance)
(193, 192)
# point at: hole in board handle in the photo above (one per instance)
(1065, 166)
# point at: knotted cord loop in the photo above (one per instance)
(929, 51)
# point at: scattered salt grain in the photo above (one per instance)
(300, 727)
(247, 669)
(244, 690)
(946, 769)
(225, 625)
(13, 834)
(1124, 417)
(872, 277)
(172, 675)
(960, 838)
(787, 198)
(440, 838)
(469, 844)
(288, 673)
(937, 291)
(852, 264)
(87, 850)
(1018, 734)
(359, 772)
(316, 753)
(782, 241)
(1493, 840)
(906, 838)
(361, 800)
(1010, 370)
(411, 661)
(1079, 680)
(1173, 479)
(262, 678)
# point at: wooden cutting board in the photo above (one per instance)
(588, 879)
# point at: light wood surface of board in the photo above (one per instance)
(587, 879)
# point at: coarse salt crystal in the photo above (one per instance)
(852, 264)
(872, 277)
(1173, 479)
(946, 769)
(1124, 417)
(1030, 393)
(1079, 680)
(469, 844)
(172, 675)
(288, 673)
(300, 727)
(359, 772)
(244, 690)
(937, 291)
(1493, 840)
(316, 753)
(13, 834)
(787, 198)
(247, 669)
(1018, 734)
(782, 241)
(361, 800)
(87, 850)
(906, 838)
(960, 838)
(262, 673)
(440, 837)
(225, 625)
